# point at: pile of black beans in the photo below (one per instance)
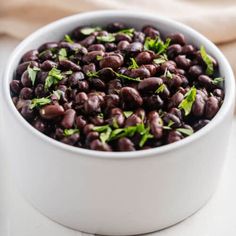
(116, 88)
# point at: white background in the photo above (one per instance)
(18, 218)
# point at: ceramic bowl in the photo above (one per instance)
(122, 193)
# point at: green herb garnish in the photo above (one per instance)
(68, 39)
(161, 88)
(208, 61)
(145, 136)
(69, 132)
(69, 72)
(96, 75)
(160, 60)
(53, 77)
(104, 136)
(188, 101)
(38, 102)
(167, 74)
(62, 54)
(217, 81)
(133, 64)
(106, 38)
(57, 93)
(185, 131)
(98, 57)
(156, 45)
(129, 32)
(89, 30)
(127, 113)
(32, 72)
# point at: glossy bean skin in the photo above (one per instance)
(198, 106)
(31, 55)
(177, 38)
(68, 119)
(155, 123)
(49, 112)
(130, 97)
(92, 105)
(125, 144)
(69, 65)
(117, 117)
(113, 62)
(15, 86)
(150, 84)
(71, 140)
(133, 120)
(174, 136)
(99, 146)
(212, 107)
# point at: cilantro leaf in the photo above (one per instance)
(156, 45)
(69, 132)
(92, 74)
(133, 64)
(161, 88)
(38, 102)
(100, 128)
(68, 39)
(104, 136)
(167, 74)
(98, 57)
(106, 38)
(129, 32)
(62, 54)
(208, 61)
(188, 101)
(145, 136)
(89, 30)
(185, 131)
(217, 81)
(127, 113)
(161, 59)
(57, 93)
(53, 77)
(32, 72)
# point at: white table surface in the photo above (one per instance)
(19, 218)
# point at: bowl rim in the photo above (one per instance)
(217, 119)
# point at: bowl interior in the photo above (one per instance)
(55, 31)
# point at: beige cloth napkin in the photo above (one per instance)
(214, 18)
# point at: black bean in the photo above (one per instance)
(125, 144)
(212, 107)
(153, 102)
(71, 140)
(117, 117)
(122, 45)
(26, 93)
(74, 78)
(96, 47)
(69, 65)
(144, 58)
(68, 119)
(48, 65)
(92, 56)
(49, 112)
(150, 84)
(114, 27)
(92, 105)
(27, 112)
(141, 72)
(174, 136)
(155, 123)
(130, 98)
(183, 62)
(174, 50)
(23, 66)
(15, 86)
(200, 124)
(195, 71)
(135, 47)
(150, 31)
(99, 146)
(113, 62)
(175, 120)
(133, 120)
(89, 68)
(205, 81)
(49, 45)
(31, 55)
(177, 38)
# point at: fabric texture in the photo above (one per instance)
(216, 19)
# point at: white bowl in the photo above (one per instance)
(121, 193)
